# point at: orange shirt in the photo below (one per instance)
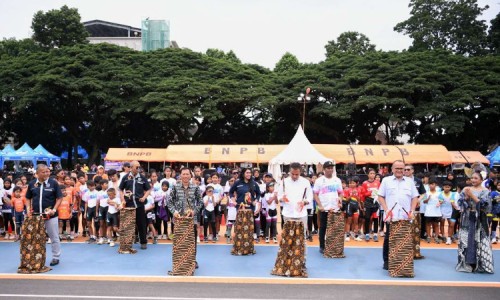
(18, 203)
(64, 209)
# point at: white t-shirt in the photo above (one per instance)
(83, 190)
(218, 191)
(328, 190)
(265, 203)
(114, 209)
(432, 209)
(171, 182)
(103, 199)
(156, 192)
(446, 203)
(209, 203)
(91, 197)
(115, 185)
(294, 191)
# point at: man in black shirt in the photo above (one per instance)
(43, 198)
(134, 190)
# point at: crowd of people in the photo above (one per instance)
(90, 205)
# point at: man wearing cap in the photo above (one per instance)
(328, 197)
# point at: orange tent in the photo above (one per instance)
(222, 153)
(140, 154)
(457, 157)
(421, 154)
(474, 156)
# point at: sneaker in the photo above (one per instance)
(198, 239)
(144, 246)
(257, 240)
(54, 262)
(275, 240)
(428, 239)
(448, 241)
(100, 241)
(111, 244)
(494, 240)
(437, 240)
(267, 240)
(215, 239)
(205, 239)
(375, 238)
(347, 238)
(228, 240)
(310, 238)
(49, 241)
(254, 236)
(357, 239)
(381, 234)
(155, 240)
(12, 237)
(6, 237)
(367, 237)
(314, 231)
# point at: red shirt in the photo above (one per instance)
(368, 187)
(348, 193)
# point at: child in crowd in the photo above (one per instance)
(432, 211)
(82, 189)
(103, 212)
(113, 215)
(231, 216)
(73, 221)
(352, 202)
(448, 200)
(210, 202)
(150, 215)
(90, 198)
(19, 203)
(495, 211)
(7, 209)
(269, 208)
(218, 193)
(64, 212)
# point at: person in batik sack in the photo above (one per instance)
(474, 248)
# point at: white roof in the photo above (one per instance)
(299, 150)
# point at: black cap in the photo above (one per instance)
(268, 175)
(328, 164)
(126, 164)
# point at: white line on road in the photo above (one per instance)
(115, 297)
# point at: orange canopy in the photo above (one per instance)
(421, 154)
(457, 157)
(474, 156)
(222, 153)
(140, 154)
(341, 154)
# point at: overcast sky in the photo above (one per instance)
(258, 31)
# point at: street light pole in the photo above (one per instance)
(304, 98)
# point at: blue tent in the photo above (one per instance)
(82, 153)
(46, 155)
(494, 157)
(8, 149)
(25, 153)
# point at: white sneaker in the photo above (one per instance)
(111, 244)
(358, 239)
(381, 234)
(494, 240)
(198, 239)
(275, 240)
(254, 236)
(347, 239)
(100, 241)
(49, 241)
(448, 241)
(267, 240)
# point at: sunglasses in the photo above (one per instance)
(407, 169)
(236, 173)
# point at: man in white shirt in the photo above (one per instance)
(327, 195)
(398, 197)
(295, 194)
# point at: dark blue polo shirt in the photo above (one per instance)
(138, 185)
(50, 192)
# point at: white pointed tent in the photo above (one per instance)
(298, 150)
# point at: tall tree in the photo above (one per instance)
(58, 28)
(494, 35)
(351, 42)
(287, 62)
(445, 24)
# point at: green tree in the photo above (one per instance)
(442, 24)
(494, 35)
(13, 47)
(58, 28)
(219, 54)
(287, 62)
(350, 42)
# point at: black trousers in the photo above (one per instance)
(369, 212)
(323, 215)
(385, 252)
(142, 224)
